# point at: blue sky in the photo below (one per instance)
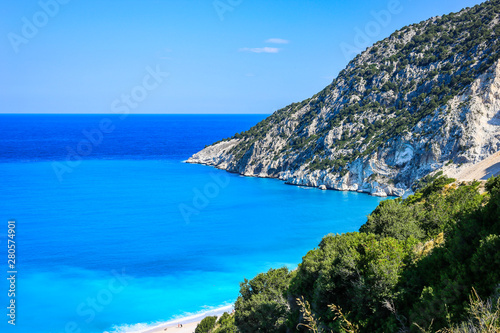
(196, 56)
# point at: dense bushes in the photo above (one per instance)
(262, 305)
(428, 263)
(206, 325)
(436, 289)
(225, 324)
(425, 214)
(394, 219)
(416, 262)
(413, 267)
(354, 271)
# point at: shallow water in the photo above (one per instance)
(142, 237)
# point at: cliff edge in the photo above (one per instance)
(425, 99)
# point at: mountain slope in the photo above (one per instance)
(481, 171)
(424, 99)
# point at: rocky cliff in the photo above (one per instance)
(427, 98)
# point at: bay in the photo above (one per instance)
(132, 236)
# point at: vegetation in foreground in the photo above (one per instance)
(429, 263)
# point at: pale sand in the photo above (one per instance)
(186, 328)
(188, 323)
(482, 170)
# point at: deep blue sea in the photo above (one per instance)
(114, 232)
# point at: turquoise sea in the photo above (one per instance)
(115, 233)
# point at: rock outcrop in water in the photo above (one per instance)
(425, 99)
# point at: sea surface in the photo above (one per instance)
(114, 233)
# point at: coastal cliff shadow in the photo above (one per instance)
(493, 170)
(495, 120)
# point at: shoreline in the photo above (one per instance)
(189, 323)
(319, 187)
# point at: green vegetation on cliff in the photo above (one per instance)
(428, 263)
(406, 84)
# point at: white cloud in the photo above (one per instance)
(277, 41)
(162, 54)
(260, 49)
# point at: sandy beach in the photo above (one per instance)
(188, 323)
(186, 328)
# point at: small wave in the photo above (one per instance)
(183, 319)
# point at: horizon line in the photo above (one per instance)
(135, 114)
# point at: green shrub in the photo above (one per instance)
(226, 324)
(206, 325)
(262, 305)
(394, 219)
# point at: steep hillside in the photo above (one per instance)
(424, 99)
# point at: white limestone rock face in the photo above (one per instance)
(217, 155)
(404, 156)
(474, 125)
(294, 143)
